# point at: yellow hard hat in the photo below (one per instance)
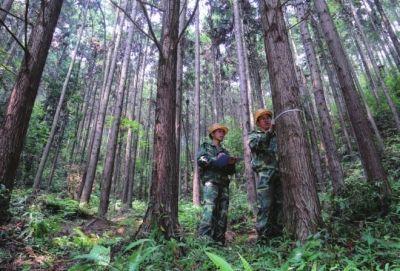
(217, 126)
(262, 112)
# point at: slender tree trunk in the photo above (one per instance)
(378, 137)
(23, 96)
(300, 200)
(334, 166)
(188, 168)
(161, 214)
(56, 154)
(250, 182)
(179, 89)
(129, 148)
(196, 136)
(216, 91)
(113, 136)
(98, 132)
(357, 112)
(136, 137)
(45, 154)
(342, 112)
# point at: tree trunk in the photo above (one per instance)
(161, 214)
(45, 154)
(22, 98)
(179, 89)
(113, 136)
(301, 207)
(250, 182)
(196, 177)
(357, 112)
(98, 128)
(334, 166)
(56, 153)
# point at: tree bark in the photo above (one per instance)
(301, 207)
(22, 98)
(334, 166)
(357, 112)
(250, 182)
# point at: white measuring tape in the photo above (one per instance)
(284, 112)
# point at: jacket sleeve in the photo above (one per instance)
(259, 141)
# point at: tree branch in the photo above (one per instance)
(146, 15)
(137, 26)
(15, 38)
(189, 21)
(14, 16)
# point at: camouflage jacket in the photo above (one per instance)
(263, 148)
(205, 157)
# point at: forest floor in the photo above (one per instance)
(54, 233)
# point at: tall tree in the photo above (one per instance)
(300, 200)
(243, 79)
(196, 177)
(162, 212)
(179, 91)
(357, 112)
(22, 98)
(334, 166)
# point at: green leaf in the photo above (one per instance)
(135, 244)
(245, 263)
(219, 262)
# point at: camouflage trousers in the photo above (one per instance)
(215, 215)
(269, 203)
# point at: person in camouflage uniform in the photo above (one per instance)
(215, 165)
(263, 145)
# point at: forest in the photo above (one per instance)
(119, 120)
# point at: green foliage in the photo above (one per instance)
(219, 262)
(37, 225)
(99, 254)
